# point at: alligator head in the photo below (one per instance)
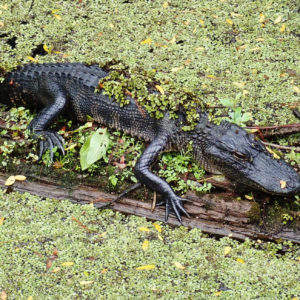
(230, 150)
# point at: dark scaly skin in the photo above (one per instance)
(70, 89)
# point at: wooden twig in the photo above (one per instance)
(274, 130)
(296, 149)
(296, 125)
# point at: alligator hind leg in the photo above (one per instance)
(44, 119)
(145, 176)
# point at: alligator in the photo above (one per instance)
(57, 88)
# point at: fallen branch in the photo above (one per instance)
(218, 214)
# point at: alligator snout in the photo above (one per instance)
(273, 176)
(259, 171)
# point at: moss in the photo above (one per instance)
(58, 250)
(210, 51)
(255, 213)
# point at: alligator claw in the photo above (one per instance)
(175, 203)
(48, 140)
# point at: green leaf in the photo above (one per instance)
(227, 102)
(94, 148)
(246, 117)
(113, 180)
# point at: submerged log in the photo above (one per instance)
(217, 214)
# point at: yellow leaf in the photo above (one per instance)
(260, 39)
(86, 273)
(1, 220)
(48, 49)
(58, 17)
(249, 197)
(54, 11)
(240, 260)
(45, 47)
(179, 265)
(218, 293)
(10, 181)
(245, 92)
(145, 245)
(210, 76)
(160, 237)
(30, 298)
(242, 47)
(165, 5)
(296, 89)
(294, 298)
(20, 177)
(252, 130)
(229, 21)
(3, 295)
(201, 22)
(72, 146)
(85, 282)
(67, 263)
(157, 227)
(227, 250)
(173, 40)
(278, 20)
(254, 49)
(275, 155)
(143, 229)
(160, 45)
(176, 69)
(261, 17)
(103, 271)
(239, 84)
(146, 267)
(1, 24)
(31, 58)
(199, 49)
(233, 14)
(103, 234)
(282, 184)
(160, 89)
(55, 270)
(146, 41)
(282, 28)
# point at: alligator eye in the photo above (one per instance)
(240, 155)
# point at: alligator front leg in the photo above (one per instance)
(45, 118)
(154, 182)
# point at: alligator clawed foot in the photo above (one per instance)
(174, 203)
(49, 140)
